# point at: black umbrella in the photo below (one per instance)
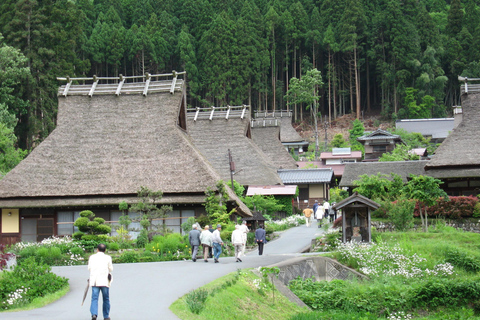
(86, 291)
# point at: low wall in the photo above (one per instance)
(465, 225)
(319, 268)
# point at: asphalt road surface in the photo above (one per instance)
(146, 290)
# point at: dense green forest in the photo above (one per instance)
(400, 58)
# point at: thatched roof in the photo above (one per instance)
(215, 137)
(105, 147)
(353, 171)
(268, 139)
(458, 155)
(287, 132)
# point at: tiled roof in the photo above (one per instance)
(305, 175)
(436, 128)
(272, 190)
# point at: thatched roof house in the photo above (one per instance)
(288, 135)
(215, 132)
(353, 171)
(106, 146)
(456, 160)
(268, 139)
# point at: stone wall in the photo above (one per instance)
(319, 268)
(465, 225)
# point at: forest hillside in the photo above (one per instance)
(397, 58)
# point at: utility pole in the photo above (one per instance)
(232, 168)
(325, 126)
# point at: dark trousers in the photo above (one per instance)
(260, 248)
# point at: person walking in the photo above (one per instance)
(245, 230)
(260, 238)
(217, 243)
(328, 213)
(237, 241)
(307, 212)
(206, 241)
(319, 213)
(194, 239)
(315, 207)
(100, 268)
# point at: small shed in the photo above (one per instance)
(356, 221)
(255, 220)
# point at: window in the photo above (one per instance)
(382, 149)
(65, 220)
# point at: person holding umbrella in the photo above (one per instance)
(100, 267)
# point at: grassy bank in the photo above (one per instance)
(412, 275)
(240, 295)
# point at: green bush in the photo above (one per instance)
(128, 257)
(142, 239)
(400, 213)
(113, 246)
(28, 280)
(462, 259)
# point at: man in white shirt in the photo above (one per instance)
(237, 241)
(100, 267)
(245, 230)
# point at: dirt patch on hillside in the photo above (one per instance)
(340, 125)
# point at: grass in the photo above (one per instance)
(41, 301)
(240, 300)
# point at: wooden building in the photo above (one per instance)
(457, 160)
(378, 142)
(110, 139)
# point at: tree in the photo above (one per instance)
(188, 59)
(306, 91)
(357, 131)
(352, 27)
(88, 224)
(426, 190)
(216, 205)
(150, 214)
(338, 141)
(12, 71)
(217, 47)
(379, 186)
(401, 152)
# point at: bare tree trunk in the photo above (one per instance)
(357, 81)
(420, 206)
(329, 87)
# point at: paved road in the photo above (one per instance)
(146, 290)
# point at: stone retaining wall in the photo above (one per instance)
(467, 225)
(319, 268)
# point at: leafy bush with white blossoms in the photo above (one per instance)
(383, 260)
(58, 251)
(400, 315)
(16, 298)
(287, 223)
